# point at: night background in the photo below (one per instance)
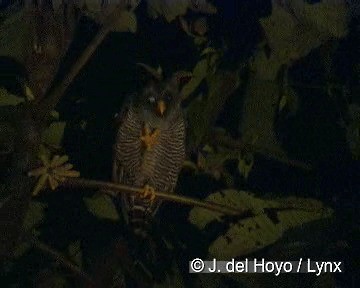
(273, 133)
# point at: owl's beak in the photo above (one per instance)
(161, 107)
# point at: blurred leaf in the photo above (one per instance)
(168, 8)
(246, 163)
(102, 207)
(203, 111)
(201, 70)
(282, 103)
(83, 124)
(198, 75)
(44, 152)
(184, 25)
(233, 198)
(9, 99)
(23, 247)
(53, 135)
(35, 215)
(201, 161)
(15, 36)
(55, 115)
(202, 7)
(171, 9)
(127, 22)
(208, 50)
(271, 218)
(189, 164)
(208, 148)
(75, 253)
(29, 94)
(290, 100)
(212, 162)
(99, 6)
(92, 6)
(200, 41)
(213, 60)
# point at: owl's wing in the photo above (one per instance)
(120, 117)
(125, 157)
(180, 138)
(118, 171)
(127, 154)
(172, 156)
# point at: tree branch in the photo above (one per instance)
(62, 261)
(45, 105)
(115, 189)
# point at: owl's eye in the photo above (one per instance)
(151, 99)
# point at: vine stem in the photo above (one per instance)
(115, 189)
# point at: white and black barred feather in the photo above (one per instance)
(136, 166)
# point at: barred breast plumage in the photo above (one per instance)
(157, 167)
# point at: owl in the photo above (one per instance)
(150, 147)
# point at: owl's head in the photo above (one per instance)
(160, 98)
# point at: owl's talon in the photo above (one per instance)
(148, 192)
(149, 138)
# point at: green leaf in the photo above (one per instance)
(33, 218)
(127, 22)
(246, 163)
(201, 70)
(9, 99)
(198, 75)
(203, 111)
(102, 207)
(199, 40)
(212, 162)
(53, 135)
(28, 93)
(263, 228)
(16, 36)
(169, 9)
(233, 198)
(282, 103)
(75, 253)
(55, 115)
(35, 215)
(208, 50)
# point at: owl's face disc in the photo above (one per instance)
(160, 100)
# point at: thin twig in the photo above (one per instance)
(114, 190)
(62, 260)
